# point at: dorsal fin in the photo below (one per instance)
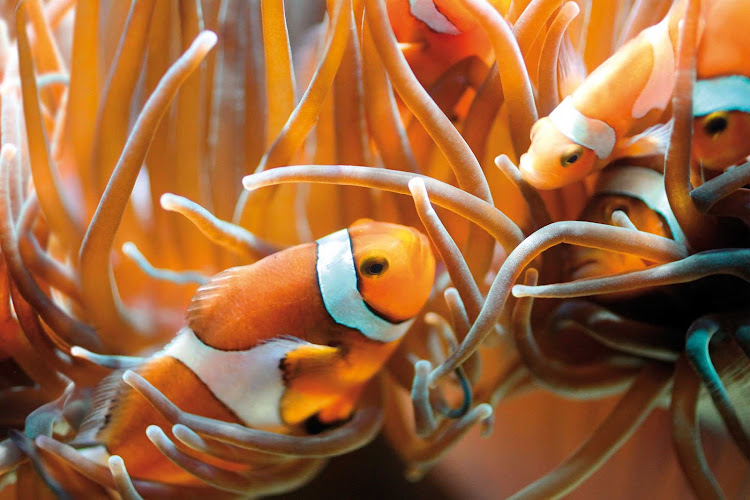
(242, 306)
(104, 403)
(210, 298)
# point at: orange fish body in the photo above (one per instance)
(630, 92)
(436, 34)
(639, 193)
(272, 345)
(626, 94)
(721, 100)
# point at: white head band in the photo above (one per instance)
(726, 93)
(337, 278)
(643, 184)
(588, 132)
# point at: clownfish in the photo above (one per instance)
(608, 115)
(639, 193)
(285, 344)
(436, 34)
(721, 96)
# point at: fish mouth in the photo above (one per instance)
(534, 176)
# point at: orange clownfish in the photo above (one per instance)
(639, 193)
(599, 121)
(286, 342)
(436, 34)
(631, 90)
(721, 96)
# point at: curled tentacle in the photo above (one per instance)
(221, 450)
(595, 379)
(619, 333)
(537, 210)
(177, 277)
(733, 262)
(424, 418)
(103, 476)
(26, 445)
(686, 436)
(696, 346)
(268, 480)
(588, 234)
(360, 430)
(476, 210)
(710, 193)
(228, 235)
(108, 361)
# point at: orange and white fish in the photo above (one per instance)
(604, 118)
(639, 193)
(283, 343)
(721, 96)
(436, 34)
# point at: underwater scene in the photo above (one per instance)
(444, 249)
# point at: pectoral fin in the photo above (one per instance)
(308, 360)
(310, 380)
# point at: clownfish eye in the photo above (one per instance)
(571, 156)
(716, 123)
(373, 266)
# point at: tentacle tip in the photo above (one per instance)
(129, 248)
(207, 39)
(503, 158)
(154, 433)
(432, 318)
(115, 462)
(247, 183)
(8, 152)
(484, 411)
(180, 431)
(422, 367)
(79, 352)
(43, 442)
(131, 378)
(520, 291)
(168, 201)
(452, 293)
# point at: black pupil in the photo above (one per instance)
(572, 158)
(716, 125)
(375, 268)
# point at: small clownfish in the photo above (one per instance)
(436, 34)
(721, 96)
(609, 115)
(637, 191)
(285, 344)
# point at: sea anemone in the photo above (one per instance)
(115, 114)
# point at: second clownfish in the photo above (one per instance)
(639, 193)
(601, 120)
(605, 118)
(287, 342)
